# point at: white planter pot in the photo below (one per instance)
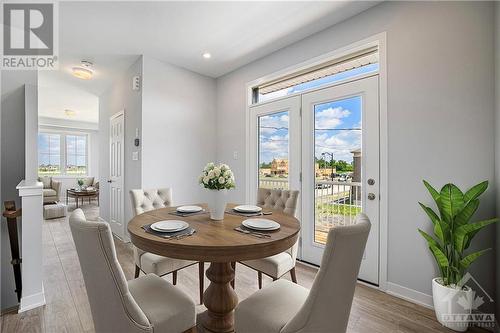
(218, 204)
(452, 305)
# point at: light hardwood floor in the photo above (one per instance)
(68, 310)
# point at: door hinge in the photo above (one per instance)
(300, 176)
(300, 111)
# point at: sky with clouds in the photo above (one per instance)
(337, 131)
(49, 149)
(337, 124)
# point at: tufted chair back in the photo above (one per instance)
(113, 307)
(283, 200)
(333, 287)
(146, 200)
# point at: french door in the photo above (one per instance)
(324, 143)
(275, 149)
(340, 165)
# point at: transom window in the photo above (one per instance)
(350, 66)
(62, 154)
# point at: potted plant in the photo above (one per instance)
(453, 233)
(218, 179)
(80, 183)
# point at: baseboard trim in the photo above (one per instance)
(410, 295)
(32, 301)
(12, 309)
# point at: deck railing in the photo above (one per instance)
(336, 202)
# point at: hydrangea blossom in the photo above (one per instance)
(217, 177)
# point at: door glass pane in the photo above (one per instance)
(273, 150)
(337, 152)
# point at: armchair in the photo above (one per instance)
(51, 189)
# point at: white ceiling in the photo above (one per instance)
(235, 33)
(113, 34)
(60, 90)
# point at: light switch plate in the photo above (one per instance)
(235, 155)
(135, 156)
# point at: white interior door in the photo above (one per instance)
(116, 159)
(341, 123)
(275, 146)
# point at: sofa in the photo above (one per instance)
(51, 189)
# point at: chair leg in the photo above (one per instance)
(233, 283)
(201, 277)
(137, 271)
(174, 278)
(293, 275)
(260, 279)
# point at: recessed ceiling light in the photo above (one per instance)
(84, 71)
(69, 112)
(207, 55)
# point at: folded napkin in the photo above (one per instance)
(176, 213)
(235, 212)
(167, 235)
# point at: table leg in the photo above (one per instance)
(76, 198)
(220, 299)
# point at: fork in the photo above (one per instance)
(253, 233)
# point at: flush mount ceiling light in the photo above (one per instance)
(69, 112)
(84, 71)
(207, 55)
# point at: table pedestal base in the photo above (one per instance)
(220, 299)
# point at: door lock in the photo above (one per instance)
(371, 196)
(371, 181)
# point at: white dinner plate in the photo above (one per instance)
(169, 226)
(261, 224)
(248, 209)
(189, 209)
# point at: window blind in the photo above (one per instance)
(339, 65)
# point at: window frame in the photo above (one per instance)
(63, 152)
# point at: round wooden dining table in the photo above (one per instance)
(218, 243)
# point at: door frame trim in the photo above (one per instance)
(379, 40)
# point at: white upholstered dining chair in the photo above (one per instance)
(146, 304)
(147, 200)
(284, 307)
(278, 265)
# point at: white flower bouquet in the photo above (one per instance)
(217, 177)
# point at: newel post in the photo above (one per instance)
(31, 244)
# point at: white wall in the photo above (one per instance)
(31, 131)
(12, 164)
(120, 96)
(178, 129)
(440, 116)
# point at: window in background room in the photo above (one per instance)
(49, 154)
(62, 154)
(76, 154)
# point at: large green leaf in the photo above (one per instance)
(440, 257)
(451, 200)
(475, 191)
(432, 191)
(466, 213)
(430, 241)
(440, 229)
(463, 232)
(466, 261)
